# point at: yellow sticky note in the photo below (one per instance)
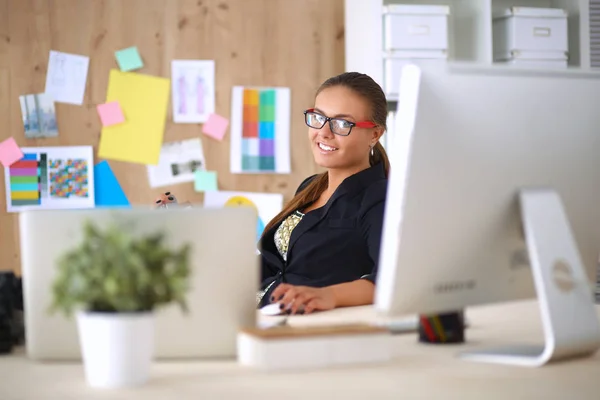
(144, 100)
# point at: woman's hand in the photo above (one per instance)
(303, 299)
(165, 199)
(168, 198)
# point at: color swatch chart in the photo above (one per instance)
(51, 178)
(258, 132)
(68, 178)
(28, 179)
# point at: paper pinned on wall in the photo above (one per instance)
(66, 77)
(51, 178)
(108, 191)
(260, 130)
(193, 90)
(267, 205)
(38, 115)
(144, 100)
(129, 59)
(205, 181)
(110, 113)
(10, 152)
(178, 163)
(215, 126)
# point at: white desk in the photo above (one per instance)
(418, 371)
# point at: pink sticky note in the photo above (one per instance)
(110, 113)
(216, 126)
(10, 152)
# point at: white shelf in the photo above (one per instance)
(595, 33)
(469, 26)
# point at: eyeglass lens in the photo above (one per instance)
(338, 126)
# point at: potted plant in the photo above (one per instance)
(114, 279)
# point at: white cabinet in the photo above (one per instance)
(412, 33)
(470, 34)
(595, 32)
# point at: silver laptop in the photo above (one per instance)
(225, 277)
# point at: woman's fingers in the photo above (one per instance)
(279, 291)
(166, 198)
(296, 299)
(311, 306)
(288, 298)
(300, 301)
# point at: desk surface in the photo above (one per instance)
(417, 371)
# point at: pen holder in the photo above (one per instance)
(442, 328)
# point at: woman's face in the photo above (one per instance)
(342, 152)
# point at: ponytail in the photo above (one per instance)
(380, 156)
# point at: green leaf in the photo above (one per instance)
(118, 270)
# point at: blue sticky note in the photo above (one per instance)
(107, 189)
(129, 59)
(205, 181)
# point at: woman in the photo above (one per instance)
(321, 251)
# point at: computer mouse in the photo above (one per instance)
(271, 309)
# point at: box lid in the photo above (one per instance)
(532, 55)
(532, 12)
(407, 9)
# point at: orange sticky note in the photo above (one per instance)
(10, 152)
(110, 113)
(215, 126)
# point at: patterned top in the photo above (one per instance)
(282, 241)
(284, 232)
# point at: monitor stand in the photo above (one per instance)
(569, 319)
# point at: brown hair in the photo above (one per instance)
(366, 87)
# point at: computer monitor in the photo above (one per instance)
(494, 167)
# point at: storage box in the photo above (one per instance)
(531, 34)
(416, 31)
(284, 348)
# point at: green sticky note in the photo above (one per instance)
(129, 59)
(205, 181)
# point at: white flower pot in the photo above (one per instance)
(117, 348)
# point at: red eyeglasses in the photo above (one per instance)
(338, 126)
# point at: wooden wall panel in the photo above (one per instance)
(4, 37)
(9, 254)
(293, 43)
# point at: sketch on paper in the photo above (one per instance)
(267, 205)
(66, 77)
(51, 178)
(58, 75)
(260, 130)
(39, 116)
(193, 90)
(177, 163)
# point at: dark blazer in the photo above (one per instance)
(336, 243)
